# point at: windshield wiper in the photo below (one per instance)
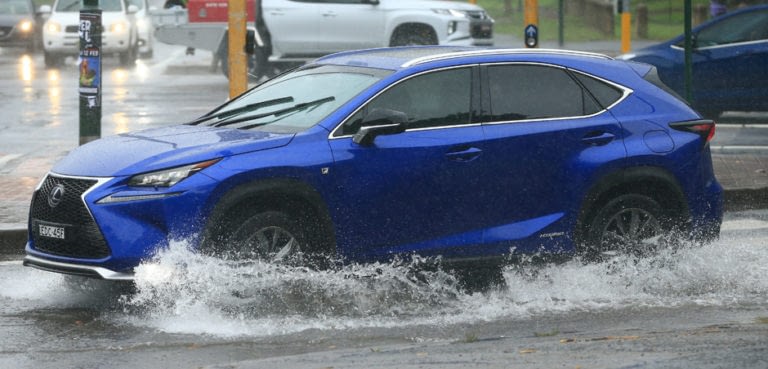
(242, 109)
(277, 113)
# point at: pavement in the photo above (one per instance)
(741, 169)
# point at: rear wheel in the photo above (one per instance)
(630, 224)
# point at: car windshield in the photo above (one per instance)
(295, 101)
(74, 5)
(139, 3)
(15, 7)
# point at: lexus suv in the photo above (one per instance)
(451, 152)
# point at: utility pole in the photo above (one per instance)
(237, 63)
(688, 69)
(626, 26)
(89, 83)
(531, 20)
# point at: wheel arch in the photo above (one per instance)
(413, 26)
(294, 197)
(654, 182)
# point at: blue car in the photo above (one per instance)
(730, 62)
(459, 153)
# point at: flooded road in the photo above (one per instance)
(694, 307)
(703, 307)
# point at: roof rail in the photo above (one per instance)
(447, 56)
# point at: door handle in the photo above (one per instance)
(329, 14)
(464, 154)
(598, 138)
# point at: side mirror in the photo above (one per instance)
(380, 122)
(133, 9)
(44, 9)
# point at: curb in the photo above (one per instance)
(13, 241)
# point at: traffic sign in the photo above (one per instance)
(531, 36)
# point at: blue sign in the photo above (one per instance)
(531, 36)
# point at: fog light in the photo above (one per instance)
(451, 27)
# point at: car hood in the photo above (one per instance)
(12, 19)
(145, 151)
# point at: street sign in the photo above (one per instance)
(531, 36)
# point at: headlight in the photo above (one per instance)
(118, 27)
(168, 177)
(53, 27)
(25, 26)
(452, 12)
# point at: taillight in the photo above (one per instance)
(702, 127)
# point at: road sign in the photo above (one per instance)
(531, 36)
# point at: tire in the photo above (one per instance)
(630, 224)
(271, 236)
(51, 60)
(129, 57)
(412, 36)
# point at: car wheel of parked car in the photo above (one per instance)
(630, 224)
(413, 35)
(129, 57)
(52, 60)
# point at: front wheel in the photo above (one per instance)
(269, 236)
(630, 224)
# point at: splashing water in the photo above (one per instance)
(180, 291)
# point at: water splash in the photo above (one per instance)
(181, 291)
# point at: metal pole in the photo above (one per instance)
(238, 66)
(626, 27)
(688, 72)
(89, 83)
(531, 20)
(560, 23)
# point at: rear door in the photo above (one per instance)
(546, 138)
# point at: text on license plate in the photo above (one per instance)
(51, 231)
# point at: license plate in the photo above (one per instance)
(51, 231)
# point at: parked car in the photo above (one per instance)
(730, 55)
(144, 27)
(463, 153)
(292, 32)
(61, 37)
(19, 24)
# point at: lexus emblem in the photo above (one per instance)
(56, 195)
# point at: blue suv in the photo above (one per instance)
(462, 153)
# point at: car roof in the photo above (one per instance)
(404, 57)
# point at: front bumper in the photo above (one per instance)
(76, 269)
(106, 228)
(68, 42)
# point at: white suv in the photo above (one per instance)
(61, 37)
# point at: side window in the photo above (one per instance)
(605, 94)
(436, 99)
(520, 92)
(746, 27)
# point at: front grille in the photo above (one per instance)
(481, 31)
(71, 29)
(83, 239)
